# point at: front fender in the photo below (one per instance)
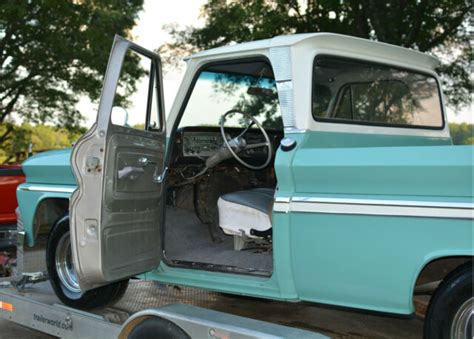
(30, 196)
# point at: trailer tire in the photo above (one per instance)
(450, 312)
(62, 274)
(155, 327)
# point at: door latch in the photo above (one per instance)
(92, 163)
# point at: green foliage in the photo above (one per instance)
(51, 52)
(462, 134)
(264, 106)
(41, 138)
(437, 27)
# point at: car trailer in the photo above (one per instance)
(147, 308)
(38, 308)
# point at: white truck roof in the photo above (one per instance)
(329, 41)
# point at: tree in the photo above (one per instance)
(436, 27)
(462, 134)
(52, 52)
(41, 137)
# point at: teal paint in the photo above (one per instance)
(321, 139)
(369, 262)
(52, 167)
(433, 171)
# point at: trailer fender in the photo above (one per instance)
(186, 320)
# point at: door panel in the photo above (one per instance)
(115, 212)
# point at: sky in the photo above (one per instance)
(149, 33)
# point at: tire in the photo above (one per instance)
(63, 278)
(156, 327)
(451, 310)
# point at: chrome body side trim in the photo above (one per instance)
(428, 209)
(59, 189)
(383, 202)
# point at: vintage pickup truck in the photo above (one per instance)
(312, 167)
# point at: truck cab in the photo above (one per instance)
(312, 167)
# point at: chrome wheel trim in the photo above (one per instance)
(65, 265)
(462, 319)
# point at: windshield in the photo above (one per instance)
(248, 87)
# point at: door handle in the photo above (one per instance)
(130, 172)
(144, 161)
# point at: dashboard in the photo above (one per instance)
(202, 142)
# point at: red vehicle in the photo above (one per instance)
(10, 177)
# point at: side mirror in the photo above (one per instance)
(119, 116)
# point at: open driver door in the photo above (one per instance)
(119, 169)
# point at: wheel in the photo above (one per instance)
(156, 327)
(62, 275)
(451, 310)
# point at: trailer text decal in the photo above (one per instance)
(64, 325)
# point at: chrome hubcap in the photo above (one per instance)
(65, 265)
(461, 327)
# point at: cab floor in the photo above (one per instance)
(187, 239)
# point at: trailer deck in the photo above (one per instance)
(196, 311)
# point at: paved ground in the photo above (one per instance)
(333, 322)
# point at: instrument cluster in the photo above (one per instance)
(206, 143)
(202, 144)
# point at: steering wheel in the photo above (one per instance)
(238, 144)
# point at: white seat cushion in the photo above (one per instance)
(245, 210)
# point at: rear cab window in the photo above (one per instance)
(352, 91)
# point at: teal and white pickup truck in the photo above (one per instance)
(311, 167)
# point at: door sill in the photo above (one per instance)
(216, 268)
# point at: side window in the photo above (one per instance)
(352, 91)
(136, 106)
